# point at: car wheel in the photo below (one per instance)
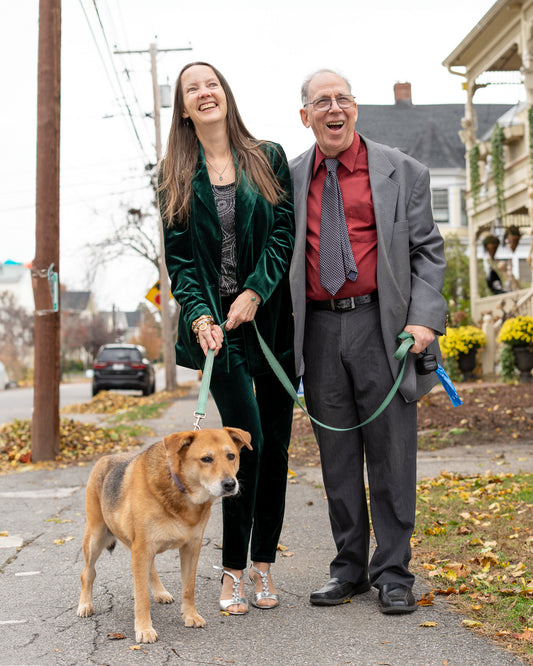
(95, 390)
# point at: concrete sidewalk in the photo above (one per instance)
(41, 560)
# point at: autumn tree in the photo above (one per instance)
(136, 234)
(16, 337)
(97, 334)
(149, 334)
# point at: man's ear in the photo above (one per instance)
(305, 118)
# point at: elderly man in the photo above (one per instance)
(368, 264)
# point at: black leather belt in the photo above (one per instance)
(344, 304)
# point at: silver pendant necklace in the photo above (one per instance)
(220, 173)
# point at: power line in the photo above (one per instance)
(122, 97)
(127, 69)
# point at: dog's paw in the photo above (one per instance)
(163, 597)
(194, 620)
(148, 635)
(85, 609)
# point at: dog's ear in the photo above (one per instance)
(178, 441)
(240, 437)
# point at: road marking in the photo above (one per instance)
(13, 621)
(52, 493)
(13, 541)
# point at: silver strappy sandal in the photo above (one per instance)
(265, 594)
(235, 599)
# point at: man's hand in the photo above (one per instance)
(423, 337)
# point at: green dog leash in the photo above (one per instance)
(407, 341)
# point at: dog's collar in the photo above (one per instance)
(177, 480)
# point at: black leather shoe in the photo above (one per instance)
(395, 598)
(337, 591)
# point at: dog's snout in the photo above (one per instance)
(229, 485)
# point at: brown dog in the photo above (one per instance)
(156, 500)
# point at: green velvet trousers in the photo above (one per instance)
(253, 519)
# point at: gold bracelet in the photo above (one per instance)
(201, 324)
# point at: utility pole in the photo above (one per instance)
(164, 287)
(45, 266)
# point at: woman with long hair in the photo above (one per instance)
(226, 202)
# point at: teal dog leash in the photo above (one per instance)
(407, 341)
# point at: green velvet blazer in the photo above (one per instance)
(265, 239)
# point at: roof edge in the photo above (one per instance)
(476, 30)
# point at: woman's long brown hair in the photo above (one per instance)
(179, 163)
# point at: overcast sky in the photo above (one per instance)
(264, 50)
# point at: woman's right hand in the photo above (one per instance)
(211, 338)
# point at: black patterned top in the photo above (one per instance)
(225, 201)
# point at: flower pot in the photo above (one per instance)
(524, 362)
(467, 363)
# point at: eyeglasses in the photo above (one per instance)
(324, 103)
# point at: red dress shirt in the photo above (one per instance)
(361, 222)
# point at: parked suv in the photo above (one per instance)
(121, 366)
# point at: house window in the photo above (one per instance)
(441, 211)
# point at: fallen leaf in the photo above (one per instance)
(115, 636)
(449, 590)
(526, 635)
(471, 623)
(429, 624)
(426, 599)
(463, 529)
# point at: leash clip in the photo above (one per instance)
(196, 424)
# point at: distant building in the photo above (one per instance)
(498, 50)
(430, 134)
(79, 302)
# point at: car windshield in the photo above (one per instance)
(120, 355)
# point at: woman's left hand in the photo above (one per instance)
(242, 309)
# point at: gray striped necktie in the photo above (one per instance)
(335, 254)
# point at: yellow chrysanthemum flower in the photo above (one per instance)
(461, 340)
(517, 331)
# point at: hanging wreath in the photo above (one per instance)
(498, 167)
(475, 181)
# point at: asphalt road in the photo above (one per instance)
(18, 403)
(42, 519)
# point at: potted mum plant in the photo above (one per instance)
(516, 334)
(459, 347)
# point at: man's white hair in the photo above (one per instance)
(307, 82)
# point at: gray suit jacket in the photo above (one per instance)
(411, 264)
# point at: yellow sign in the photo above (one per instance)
(154, 295)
